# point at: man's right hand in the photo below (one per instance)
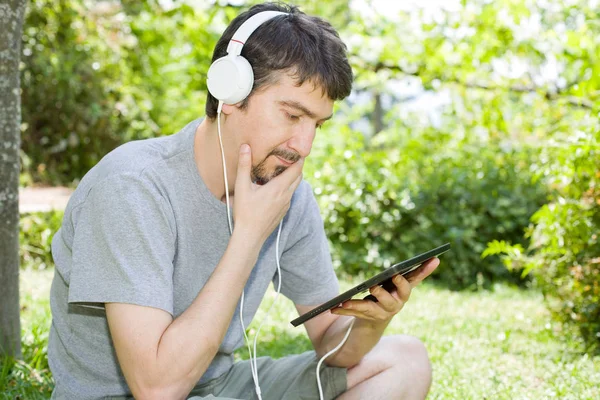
(259, 209)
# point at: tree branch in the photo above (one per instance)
(572, 100)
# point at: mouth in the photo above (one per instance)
(285, 162)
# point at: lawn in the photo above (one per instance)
(498, 344)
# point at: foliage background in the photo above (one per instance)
(471, 122)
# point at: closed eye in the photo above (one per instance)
(296, 118)
(292, 117)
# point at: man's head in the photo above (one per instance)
(300, 67)
(306, 45)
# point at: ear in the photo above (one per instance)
(228, 108)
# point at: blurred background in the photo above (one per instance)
(471, 122)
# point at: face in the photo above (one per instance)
(279, 124)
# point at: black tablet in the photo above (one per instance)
(383, 279)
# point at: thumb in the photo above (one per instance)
(244, 164)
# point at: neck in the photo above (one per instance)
(207, 154)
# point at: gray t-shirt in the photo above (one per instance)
(143, 228)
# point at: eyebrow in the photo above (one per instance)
(300, 106)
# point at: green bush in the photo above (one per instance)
(564, 251)
(96, 75)
(398, 196)
(68, 102)
(35, 236)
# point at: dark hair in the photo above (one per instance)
(305, 45)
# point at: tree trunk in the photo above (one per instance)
(377, 114)
(11, 29)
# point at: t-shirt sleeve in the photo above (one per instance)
(123, 245)
(308, 277)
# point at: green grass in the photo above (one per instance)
(30, 378)
(498, 344)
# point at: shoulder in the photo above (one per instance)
(130, 198)
(130, 170)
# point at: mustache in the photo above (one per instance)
(290, 156)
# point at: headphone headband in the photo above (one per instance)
(230, 78)
(241, 35)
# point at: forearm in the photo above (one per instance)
(363, 337)
(191, 341)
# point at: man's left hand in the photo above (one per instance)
(388, 303)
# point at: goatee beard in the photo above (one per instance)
(260, 175)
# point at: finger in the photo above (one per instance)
(403, 288)
(244, 167)
(385, 299)
(348, 313)
(423, 272)
(287, 177)
(364, 307)
(295, 184)
(374, 314)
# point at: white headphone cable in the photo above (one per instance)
(271, 307)
(229, 222)
(339, 346)
(253, 356)
(219, 108)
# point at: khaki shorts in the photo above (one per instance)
(291, 377)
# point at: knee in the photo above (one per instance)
(413, 355)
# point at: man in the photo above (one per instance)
(145, 298)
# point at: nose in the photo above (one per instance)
(302, 140)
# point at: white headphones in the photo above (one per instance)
(230, 78)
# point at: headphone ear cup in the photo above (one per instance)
(230, 79)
